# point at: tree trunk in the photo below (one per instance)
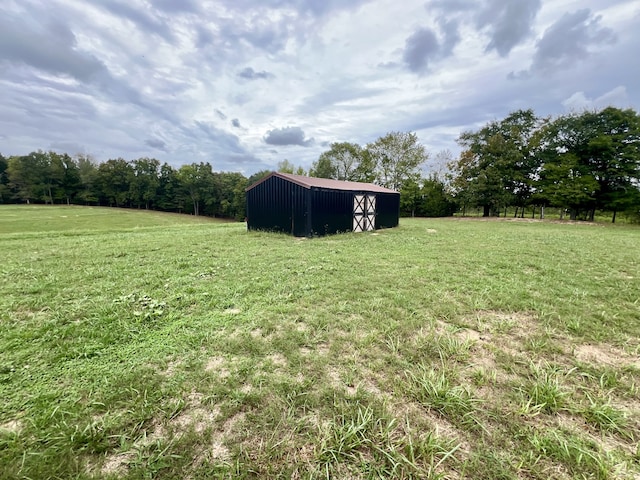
(542, 212)
(573, 214)
(533, 212)
(613, 220)
(515, 215)
(486, 210)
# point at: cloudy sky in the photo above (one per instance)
(244, 84)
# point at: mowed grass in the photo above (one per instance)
(135, 344)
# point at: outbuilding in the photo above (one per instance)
(307, 206)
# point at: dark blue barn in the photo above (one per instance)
(308, 206)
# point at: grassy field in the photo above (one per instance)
(136, 344)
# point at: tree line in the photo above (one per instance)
(50, 177)
(579, 163)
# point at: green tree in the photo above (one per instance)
(168, 197)
(343, 161)
(396, 159)
(4, 187)
(436, 201)
(592, 159)
(145, 181)
(88, 192)
(27, 176)
(410, 198)
(429, 198)
(197, 182)
(256, 177)
(323, 168)
(567, 184)
(285, 166)
(63, 180)
(497, 166)
(114, 181)
(231, 195)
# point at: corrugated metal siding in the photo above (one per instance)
(332, 211)
(387, 210)
(277, 205)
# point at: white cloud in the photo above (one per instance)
(579, 101)
(244, 84)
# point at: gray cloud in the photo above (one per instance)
(250, 74)
(140, 17)
(51, 49)
(287, 136)
(156, 143)
(451, 35)
(314, 7)
(452, 5)
(508, 22)
(569, 40)
(258, 28)
(420, 48)
(176, 6)
(236, 123)
(334, 92)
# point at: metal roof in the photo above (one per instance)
(310, 182)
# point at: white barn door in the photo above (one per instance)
(364, 213)
(370, 208)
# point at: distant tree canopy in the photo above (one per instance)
(49, 177)
(580, 162)
(393, 161)
(390, 161)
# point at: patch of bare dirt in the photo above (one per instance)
(195, 415)
(278, 359)
(217, 365)
(256, 333)
(321, 349)
(12, 426)
(217, 450)
(605, 355)
(232, 423)
(116, 464)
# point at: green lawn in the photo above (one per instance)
(139, 344)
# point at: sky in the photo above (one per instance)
(245, 84)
